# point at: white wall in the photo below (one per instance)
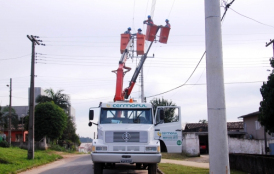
(237, 145)
(191, 144)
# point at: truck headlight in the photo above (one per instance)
(151, 149)
(101, 148)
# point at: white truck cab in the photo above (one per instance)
(128, 132)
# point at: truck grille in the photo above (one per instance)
(130, 137)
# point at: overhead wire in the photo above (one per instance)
(15, 57)
(184, 35)
(145, 14)
(152, 8)
(170, 9)
(252, 19)
(133, 27)
(227, 6)
(183, 83)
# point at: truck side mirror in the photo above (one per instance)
(90, 124)
(162, 115)
(91, 114)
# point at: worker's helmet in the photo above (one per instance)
(128, 28)
(148, 16)
(167, 20)
(139, 29)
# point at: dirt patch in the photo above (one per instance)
(66, 155)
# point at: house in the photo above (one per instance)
(253, 127)
(85, 147)
(195, 136)
(17, 135)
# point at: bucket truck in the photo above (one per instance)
(128, 132)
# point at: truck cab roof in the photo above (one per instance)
(123, 104)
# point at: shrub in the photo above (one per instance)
(4, 144)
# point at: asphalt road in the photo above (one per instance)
(80, 164)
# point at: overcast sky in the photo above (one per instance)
(82, 48)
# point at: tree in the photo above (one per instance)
(60, 99)
(50, 121)
(4, 117)
(203, 121)
(169, 113)
(266, 117)
(69, 135)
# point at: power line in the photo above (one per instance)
(15, 57)
(227, 6)
(229, 83)
(170, 9)
(252, 19)
(185, 81)
(133, 16)
(74, 56)
(67, 37)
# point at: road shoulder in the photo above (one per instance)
(43, 168)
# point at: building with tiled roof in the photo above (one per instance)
(203, 127)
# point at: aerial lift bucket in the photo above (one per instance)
(164, 34)
(151, 32)
(140, 44)
(124, 41)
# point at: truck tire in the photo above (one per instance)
(98, 168)
(138, 165)
(152, 168)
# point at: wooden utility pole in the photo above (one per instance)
(10, 112)
(31, 98)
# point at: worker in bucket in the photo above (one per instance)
(148, 21)
(139, 31)
(128, 31)
(167, 23)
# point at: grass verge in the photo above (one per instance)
(14, 159)
(180, 169)
(174, 156)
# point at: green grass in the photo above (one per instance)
(180, 169)
(14, 159)
(174, 156)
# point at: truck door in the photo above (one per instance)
(169, 127)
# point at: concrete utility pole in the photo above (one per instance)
(10, 111)
(31, 98)
(217, 126)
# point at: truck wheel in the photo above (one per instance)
(138, 165)
(98, 168)
(152, 168)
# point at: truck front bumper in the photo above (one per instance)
(117, 157)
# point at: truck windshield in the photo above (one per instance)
(126, 116)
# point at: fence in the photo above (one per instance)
(251, 163)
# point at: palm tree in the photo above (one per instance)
(60, 99)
